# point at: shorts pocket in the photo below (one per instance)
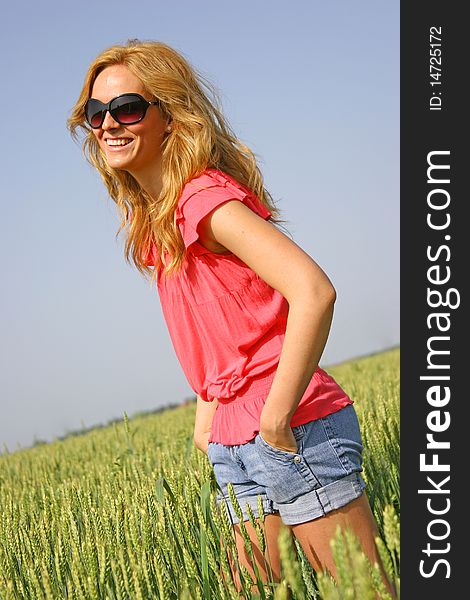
(289, 476)
(298, 432)
(332, 446)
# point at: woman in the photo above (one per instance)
(248, 311)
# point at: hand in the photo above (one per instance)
(281, 438)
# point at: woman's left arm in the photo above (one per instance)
(310, 295)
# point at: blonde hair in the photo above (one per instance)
(200, 138)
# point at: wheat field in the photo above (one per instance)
(128, 511)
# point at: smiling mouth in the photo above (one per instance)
(118, 142)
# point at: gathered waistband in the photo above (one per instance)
(254, 388)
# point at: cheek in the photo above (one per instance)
(150, 133)
(96, 137)
(151, 143)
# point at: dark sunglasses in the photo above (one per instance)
(126, 109)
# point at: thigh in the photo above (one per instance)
(267, 562)
(315, 536)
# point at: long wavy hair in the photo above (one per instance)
(200, 138)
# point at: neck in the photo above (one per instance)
(149, 180)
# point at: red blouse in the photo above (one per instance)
(227, 325)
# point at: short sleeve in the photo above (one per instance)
(206, 195)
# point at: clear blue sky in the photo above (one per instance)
(312, 87)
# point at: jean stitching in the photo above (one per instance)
(333, 440)
(305, 469)
(301, 429)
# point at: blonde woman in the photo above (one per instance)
(248, 310)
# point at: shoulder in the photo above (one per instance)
(212, 188)
(216, 181)
(205, 193)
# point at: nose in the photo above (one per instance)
(109, 122)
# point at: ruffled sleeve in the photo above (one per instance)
(204, 194)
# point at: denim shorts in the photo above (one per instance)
(323, 475)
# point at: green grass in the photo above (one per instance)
(129, 511)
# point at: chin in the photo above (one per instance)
(121, 165)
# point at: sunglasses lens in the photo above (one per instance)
(96, 119)
(94, 113)
(128, 110)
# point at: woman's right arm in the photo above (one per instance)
(203, 423)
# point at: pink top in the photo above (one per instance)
(227, 324)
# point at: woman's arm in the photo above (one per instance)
(203, 422)
(311, 296)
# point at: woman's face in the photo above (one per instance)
(139, 152)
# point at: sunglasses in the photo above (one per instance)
(126, 109)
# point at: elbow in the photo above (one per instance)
(326, 298)
(313, 297)
(311, 287)
(331, 294)
(323, 289)
(317, 298)
(324, 293)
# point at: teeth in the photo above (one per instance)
(119, 142)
